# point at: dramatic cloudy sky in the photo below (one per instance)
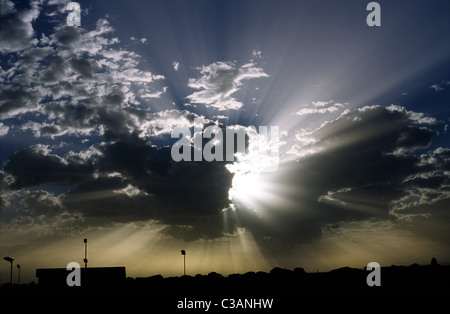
(86, 115)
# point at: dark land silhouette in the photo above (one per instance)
(90, 277)
(415, 279)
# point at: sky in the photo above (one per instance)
(87, 115)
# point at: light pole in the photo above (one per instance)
(18, 279)
(183, 252)
(85, 253)
(11, 260)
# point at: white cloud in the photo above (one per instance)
(304, 146)
(320, 107)
(219, 81)
(76, 82)
(164, 121)
(155, 94)
(256, 53)
(416, 197)
(3, 129)
(436, 87)
(61, 7)
(137, 76)
(321, 103)
(176, 65)
(330, 197)
(305, 111)
(58, 2)
(416, 117)
(130, 191)
(134, 40)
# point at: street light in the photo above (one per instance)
(18, 279)
(183, 252)
(85, 253)
(11, 260)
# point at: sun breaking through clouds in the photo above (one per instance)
(86, 116)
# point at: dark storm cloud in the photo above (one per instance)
(35, 166)
(83, 67)
(101, 202)
(183, 193)
(438, 159)
(77, 82)
(55, 72)
(40, 211)
(134, 158)
(41, 202)
(16, 30)
(68, 36)
(360, 166)
(13, 100)
(365, 162)
(127, 181)
(107, 200)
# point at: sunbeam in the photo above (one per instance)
(346, 129)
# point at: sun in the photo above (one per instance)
(251, 187)
(246, 189)
(256, 191)
(253, 173)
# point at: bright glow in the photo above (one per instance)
(249, 187)
(255, 171)
(246, 188)
(258, 191)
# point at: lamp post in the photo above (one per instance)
(11, 260)
(18, 278)
(183, 252)
(85, 253)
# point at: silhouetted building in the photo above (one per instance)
(90, 277)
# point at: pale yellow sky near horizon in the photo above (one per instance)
(146, 252)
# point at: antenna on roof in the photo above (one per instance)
(183, 252)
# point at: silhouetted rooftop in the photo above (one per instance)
(394, 279)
